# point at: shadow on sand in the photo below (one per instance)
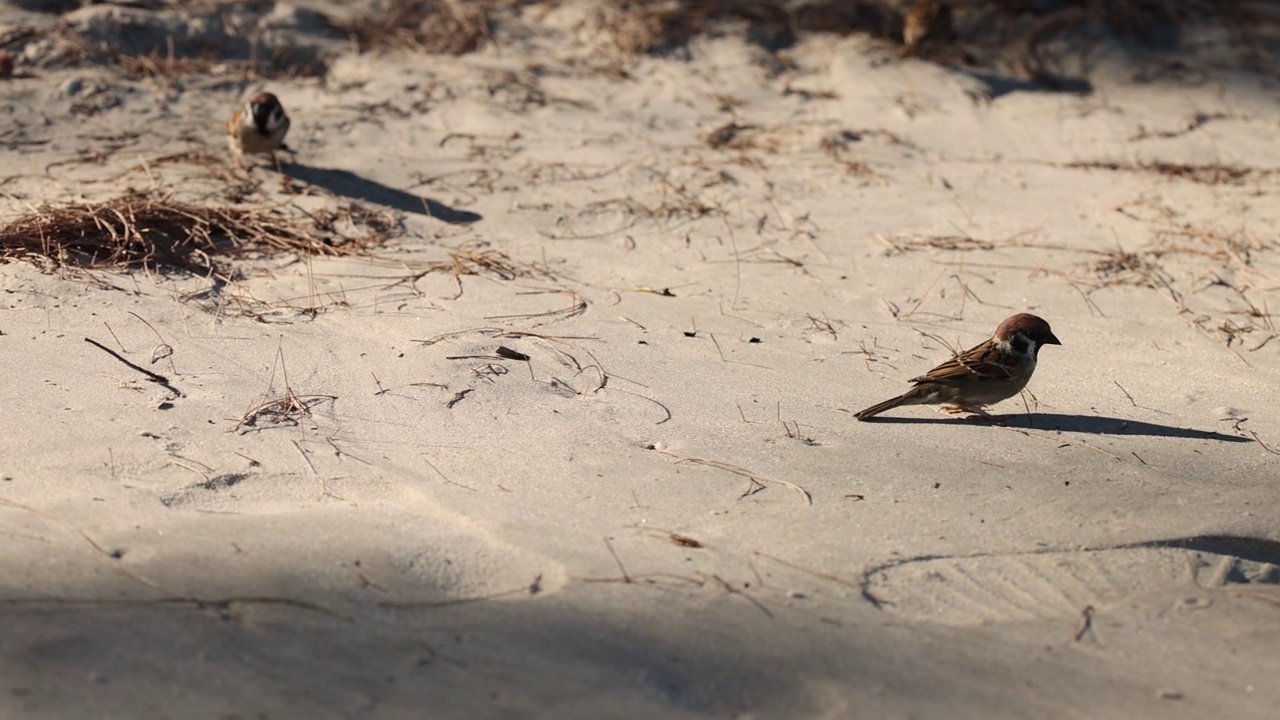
(1092, 424)
(345, 182)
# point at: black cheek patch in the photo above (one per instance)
(1019, 344)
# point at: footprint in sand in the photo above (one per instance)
(991, 588)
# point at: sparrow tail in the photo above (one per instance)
(881, 407)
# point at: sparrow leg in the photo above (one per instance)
(971, 409)
(235, 152)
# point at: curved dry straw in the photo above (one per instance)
(153, 232)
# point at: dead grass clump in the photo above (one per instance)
(1216, 174)
(431, 26)
(1231, 250)
(1047, 42)
(1207, 174)
(149, 230)
(1209, 274)
(282, 62)
(1124, 268)
(276, 410)
(158, 66)
(147, 44)
(733, 136)
(357, 224)
(472, 259)
(1256, 30)
(646, 26)
(286, 410)
(951, 243)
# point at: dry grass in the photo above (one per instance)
(431, 26)
(167, 58)
(644, 26)
(1032, 39)
(1214, 278)
(953, 243)
(1216, 174)
(280, 63)
(678, 196)
(1221, 281)
(154, 233)
(471, 259)
(151, 231)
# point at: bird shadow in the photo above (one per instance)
(345, 182)
(1090, 424)
(1000, 85)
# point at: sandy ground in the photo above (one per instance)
(667, 510)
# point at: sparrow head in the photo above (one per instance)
(1025, 333)
(267, 112)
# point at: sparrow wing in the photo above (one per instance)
(978, 363)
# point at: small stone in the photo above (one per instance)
(1194, 603)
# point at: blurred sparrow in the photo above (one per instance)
(926, 21)
(996, 370)
(258, 127)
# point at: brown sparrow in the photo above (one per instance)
(996, 370)
(258, 127)
(926, 21)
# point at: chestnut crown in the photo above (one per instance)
(1031, 327)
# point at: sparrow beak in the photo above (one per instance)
(1052, 340)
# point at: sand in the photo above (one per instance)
(578, 439)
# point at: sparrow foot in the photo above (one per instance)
(971, 409)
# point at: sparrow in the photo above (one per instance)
(996, 370)
(926, 21)
(258, 127)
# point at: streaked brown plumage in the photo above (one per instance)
(993, 371)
